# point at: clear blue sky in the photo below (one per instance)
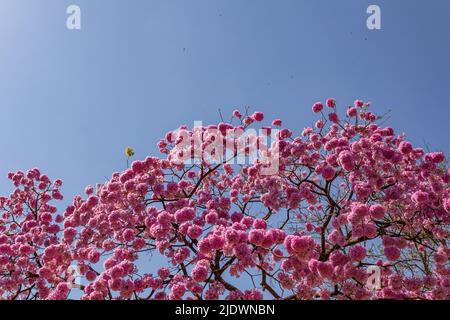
(71, 101)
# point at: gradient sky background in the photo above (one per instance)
(71, 101)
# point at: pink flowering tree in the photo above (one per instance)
(353, 211)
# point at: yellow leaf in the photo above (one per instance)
(129, 152)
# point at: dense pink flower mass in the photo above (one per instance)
(349, 195)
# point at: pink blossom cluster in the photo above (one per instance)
(349, 194)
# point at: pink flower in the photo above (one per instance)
(128, 235)
(325, 269)
(317, 107)
(370, 230)
(163, 273)
(277, 122)
(333, 117)
(3, 239)
(194, 231)
(358, 213)
(217, 242)
(405, 147)
(337, 238)
(237, 114)
(248, 120)
(89, 190)
(200, 273)
(419, 197)
(440, 257)
(435, 157)
(359, 103)
(256, 237)
(185, 214)
(253, 294)
(91, 275)
(392, 253)
(319, 124)
(211, 217)
(446, 204)
(45, 272)
(259, 224)
(346, 160)
(357, 253)
(258, 116)
(56, 194)
(26, 249)
(331, 103)
(94, 256)
(178, 291)
(377, 211)
(361, 209)
(299, 245)
(352, 112)
(61, 291)
(328, 173)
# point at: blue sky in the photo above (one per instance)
(71, 101)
